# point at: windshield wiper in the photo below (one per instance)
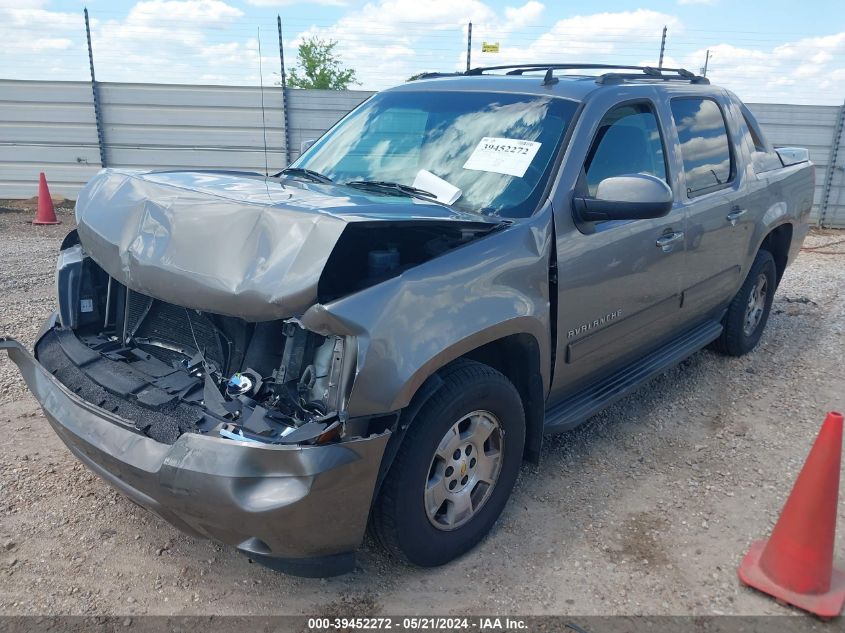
(309, 174)
(394, 188)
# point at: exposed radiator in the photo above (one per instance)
(170, 332)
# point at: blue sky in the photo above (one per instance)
(776, 52)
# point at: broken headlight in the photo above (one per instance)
(68, 275)
(301, 401)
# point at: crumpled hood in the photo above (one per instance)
(228, 243)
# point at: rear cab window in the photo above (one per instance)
(705, 145)
(763, 156)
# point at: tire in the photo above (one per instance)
(741, 332)
(400, 520)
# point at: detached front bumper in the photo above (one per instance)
(300, 509)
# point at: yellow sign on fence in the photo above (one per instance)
(489, 47)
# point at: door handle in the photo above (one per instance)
(735, 214)
(667, 241)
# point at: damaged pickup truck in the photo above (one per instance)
(381, 333)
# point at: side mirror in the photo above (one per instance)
(792, 155)
(630, 197)
(304, 145)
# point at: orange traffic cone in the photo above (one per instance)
(45, 214)
(796, 563)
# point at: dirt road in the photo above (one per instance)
(646, 509)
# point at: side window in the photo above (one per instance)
(763, 157)
(705, 145)
(628, 141)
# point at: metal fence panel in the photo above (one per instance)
(183, 127)
(812, 127)
(46, 126)
(49, 126)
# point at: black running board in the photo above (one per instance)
(571, 412)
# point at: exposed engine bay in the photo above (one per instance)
(172, 370)
(179, 292)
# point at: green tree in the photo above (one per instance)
(320, 67)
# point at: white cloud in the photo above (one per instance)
(596, 38)
(22, 4)
(804, 71)
(35, 17)
(527, 14)
(387, 41)
(384, 40)
(38, 43)
(178, 41)
(192, 12)
(42, 44)
(284, 3)
(193, 44)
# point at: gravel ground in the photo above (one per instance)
(646, 509)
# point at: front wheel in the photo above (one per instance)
(455, 469)
(748, 311)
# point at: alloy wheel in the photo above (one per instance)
(756, 305)
(464, 470)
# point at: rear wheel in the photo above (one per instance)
(748, 311)
(455, 469)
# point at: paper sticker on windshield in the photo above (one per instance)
(503, 156)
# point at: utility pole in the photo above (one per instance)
(469, 44)
(662, 48)
(284, 92)
(95, 93)
(706, 62)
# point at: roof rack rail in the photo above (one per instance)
(618, 78)
(645, 72)
(435, 74)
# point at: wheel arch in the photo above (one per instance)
(510, 349)
(517, 357)
(778, 242)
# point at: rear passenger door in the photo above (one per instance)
(719, 222)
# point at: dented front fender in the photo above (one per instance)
(410, 326)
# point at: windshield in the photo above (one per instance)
(483, 152)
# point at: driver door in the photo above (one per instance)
(619, 282)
